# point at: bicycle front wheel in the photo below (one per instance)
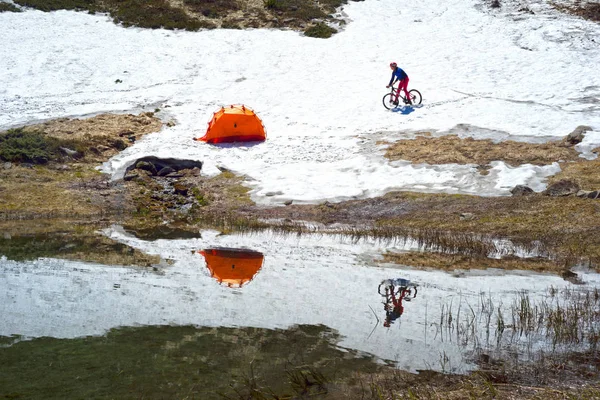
(388, 101)
(415, 96)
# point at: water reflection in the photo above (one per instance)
(177, 362)
(395, 291)
(232, 267)
(310, 280)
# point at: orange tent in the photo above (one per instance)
(234, 124)
(234, 267)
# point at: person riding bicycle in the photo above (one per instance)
(398, 74)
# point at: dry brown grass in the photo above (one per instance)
(429, 385)
(74, 187)
(450, 262)
(586, 173)
(453, 150)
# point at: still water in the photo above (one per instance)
(410, 318)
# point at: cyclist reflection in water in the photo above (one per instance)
(396, 291)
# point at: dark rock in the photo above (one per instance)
(562, 188)
(160, 163)
(165, 171)
(181, 189)
(593, 194)
(288, 203)
(521, 190)
(130, 177)
(146, 166)
(126, 133)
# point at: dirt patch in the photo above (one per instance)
(588, 10)
(454, 150)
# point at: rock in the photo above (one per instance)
(7, 165)
(160, 163)
(521, 190)
(126, 132)
(181, 189)
(467, 216)
(583, 193)
(561, 188)
(146, 166)
(577, 135)
(270, 194)
(165, 171)
(69, 152)
(590, 194)
(130, 176)
(288, 202)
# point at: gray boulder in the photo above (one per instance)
(577, 135)
(521, 190)
(562, 188)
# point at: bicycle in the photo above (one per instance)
(392, 99)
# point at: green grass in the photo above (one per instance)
(163, 362)
(53, 5)
(213, 8)
(7, 7)
(151, 14)
(320, 30)
(17, 145)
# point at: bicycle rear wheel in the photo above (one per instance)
(388, 101)
(415, 96)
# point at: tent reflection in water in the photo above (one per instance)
(233, 267)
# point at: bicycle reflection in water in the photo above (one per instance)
(395, 291)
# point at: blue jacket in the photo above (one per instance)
(399, 74)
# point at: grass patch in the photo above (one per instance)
(179, 362)
(213, 8)
(320, 30)
(75, 241)
(193, 15)
(8, 7)
(586, 173)
(151, 14)
(53, 5)
(450, 262)
(18, 145)
(451, 149)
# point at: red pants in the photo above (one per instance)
(403, 85)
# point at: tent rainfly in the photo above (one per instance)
(232, 267)
(235, 123)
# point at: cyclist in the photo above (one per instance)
(398, 74)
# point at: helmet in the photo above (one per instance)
(393, 65)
